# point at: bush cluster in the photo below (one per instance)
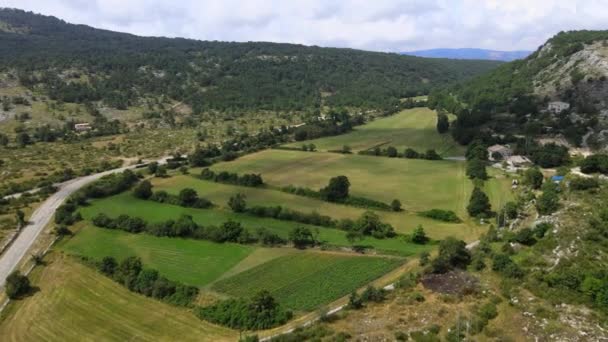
(597, 163)
(229, 231)
(354, 201)
(441, 215)
(259, 312)
(252, 180)
(131, 274)
(408, 153)
(110, 185)
(187, 198)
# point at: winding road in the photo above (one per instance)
(41, 217)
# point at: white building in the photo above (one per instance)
(557, 106)
(81, 127)
(503, 150)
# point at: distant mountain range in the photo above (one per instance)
(505, 56)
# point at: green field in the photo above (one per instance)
(404, 222)
(418, 184)
(154, 212)
(413, 128)
(77, 303)
(305, 281)
(192, 262)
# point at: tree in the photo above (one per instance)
(23, 139)
(550, 155)
(237, 203)
(476, 169)
(187, 197)
(410, 153)
(443, 123)
(337, 189)
(391, 152)
(301, 237)
(452, 254)
(479, 204)
(369, 224)
(432, 155)
(161, 171)
(16, 285)
(419, 236)
(152, 167)
(477, 150)
(354, 301)
(3, 139)
(312, 147)
(20, 217)
(346, 149)
(548, 202)
(107, 266)
(143, 190)
(533, 177)
(396, 205)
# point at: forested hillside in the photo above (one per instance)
(77, 63)
(570, 67)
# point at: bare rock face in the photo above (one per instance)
(582, 76)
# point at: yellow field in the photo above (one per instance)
(76, 303)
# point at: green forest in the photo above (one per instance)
(77, 63)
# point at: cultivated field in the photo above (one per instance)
(418, 184)
(154, 212)
(193, 262)
(414, 128)
(76, 303)
(305, 281)
(404, 222)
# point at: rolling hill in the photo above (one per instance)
(77, 63)
(571, 67)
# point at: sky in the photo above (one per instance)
(379, 25)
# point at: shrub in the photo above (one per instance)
(524, 236)
(581, 184)
(143, 190)
(301, 237)
(533, 177)
(396, 205)
(337, 189)
(419, 236)
(260, 312)
(452, 254)
(16, 285)
(441, 215)
(237, 203)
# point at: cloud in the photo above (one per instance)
(383, 25)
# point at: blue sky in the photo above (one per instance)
(381, 25)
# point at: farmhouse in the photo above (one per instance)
(499, 152)
(557, 106)
(81, 127)
(518, 161)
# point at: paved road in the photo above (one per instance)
(41, 217)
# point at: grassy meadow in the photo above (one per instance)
(414, 128)
(305, 281)
(404, 221)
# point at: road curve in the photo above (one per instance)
(41, 217)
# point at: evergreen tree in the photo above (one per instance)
(443, 123)
(479, 204)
